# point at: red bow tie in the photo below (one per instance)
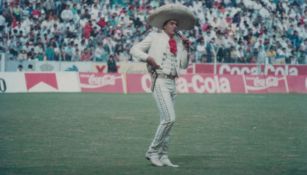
(172, 45)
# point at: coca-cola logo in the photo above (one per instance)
(201, 84)
(255, 70)
(281, 70)
(94, 81)
(257, 83)
(234, 70)
(197, 84)
(2, 85)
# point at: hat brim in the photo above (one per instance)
(177, 12)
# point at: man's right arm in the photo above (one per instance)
(139, 51)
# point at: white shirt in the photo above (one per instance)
(94, 13)
(2, 20)
(201, 48)
(67, 15)
(99, 51)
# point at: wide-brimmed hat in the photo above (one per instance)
(182, 14)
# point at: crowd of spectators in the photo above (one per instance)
(229, 31)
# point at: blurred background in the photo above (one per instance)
(227, 31)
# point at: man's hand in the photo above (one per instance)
(150, 60)
(186, 42)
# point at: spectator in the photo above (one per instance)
(293, 60)
(241, 58)
(50, 53)
(271, 54)
(67, 14)
(86, 55)
(69, 51)
(39, 51)
(100, 53)
(211, 50)
(234, 55)
(261, 56)
(200, 51)
(87, 30)
(295, 40)
(2, 23)
(76, 54)
(303, 52)
(112, 67)
(281, 56)
(22, 56)
(117, 25)
(101, 22)
(19, 68)
(30, 67)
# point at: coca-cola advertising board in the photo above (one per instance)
(211, 84)
(100, 82)
(252, 69)
(190, 83)
(138, 83)
(265, 84)
(297, 84)
(141, 83)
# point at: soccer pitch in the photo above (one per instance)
(92, 133)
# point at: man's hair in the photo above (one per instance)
(168, 21)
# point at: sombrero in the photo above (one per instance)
(182, 14)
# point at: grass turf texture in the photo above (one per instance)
(89, 133)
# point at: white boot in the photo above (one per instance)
(165, 161)
(154, 159)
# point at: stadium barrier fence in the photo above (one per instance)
(200, 83)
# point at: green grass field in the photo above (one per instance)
(90, 133)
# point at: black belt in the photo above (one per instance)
(172, 77)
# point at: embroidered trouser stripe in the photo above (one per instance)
(164, 95)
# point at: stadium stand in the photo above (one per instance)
(231, 31)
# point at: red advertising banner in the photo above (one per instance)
(190, 83)
(210, 84)
(187, 83)
(265, 84)
(297, 84)
(138, 83)
(252, 69)
(141, 83)
(41, 82)
(51, 82)
(100, 82)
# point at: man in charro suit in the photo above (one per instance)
(166, 52)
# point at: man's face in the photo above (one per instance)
(170, 27)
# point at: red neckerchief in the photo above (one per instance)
(172, 45)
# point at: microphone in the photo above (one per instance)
(185, 41)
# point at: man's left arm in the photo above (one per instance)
(184, 55)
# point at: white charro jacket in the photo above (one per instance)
(155, 44)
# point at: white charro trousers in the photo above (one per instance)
(164, 95)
